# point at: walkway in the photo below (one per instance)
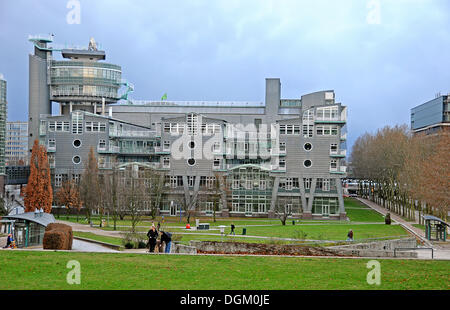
(419, 233)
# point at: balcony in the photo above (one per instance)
(334, 120)
(161, 151)
(112, 149)
(338, 154)
(132, 134)
(51, 149)
(340, 170)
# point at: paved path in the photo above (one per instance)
(79, 245)
(419, 233)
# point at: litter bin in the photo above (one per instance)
(293, 222)
(244, 231)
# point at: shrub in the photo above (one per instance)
(142, 245)
(58, 237)
(299, 234)
(129, 245)
(387, 219)
(137, 241)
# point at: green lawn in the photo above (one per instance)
(92, 236)
(47, 270)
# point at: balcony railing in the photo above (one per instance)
(132, 134)
(340, 153)
(110, 149)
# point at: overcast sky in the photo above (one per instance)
(382, 57)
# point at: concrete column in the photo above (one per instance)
(307, 214)
(303, 195)
(187, 194)
(342, 213)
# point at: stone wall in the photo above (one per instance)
(383, 248)
(372, 249)
(212, 247)
(179, 248)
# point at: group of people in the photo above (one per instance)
(153, 242)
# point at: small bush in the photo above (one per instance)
(138, 241)
(299, 234)
(129, 245)
(58, 237)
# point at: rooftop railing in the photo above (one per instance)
(199, 103)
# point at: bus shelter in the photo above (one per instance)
(435, 228)
(28, 228)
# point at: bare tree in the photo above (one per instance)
(282, 210)
(89, 185)
(133, 195)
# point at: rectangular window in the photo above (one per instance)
(333, 148)
(58, 180)
(282, 163)
(191, 181)
(216, 163)
(51, 144)
(307, 183)
(282, 146)
(77, 122)
(166, 162)
(333, 165)
(235, 184)
(166, 146)
(101, 144)
(288, 184)
(319, 130)
(326, 185)
(262, 185)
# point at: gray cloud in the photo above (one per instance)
(223, 50)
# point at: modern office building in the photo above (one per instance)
(16, 146)
(281, 153)
(3, 116)
(432, 116)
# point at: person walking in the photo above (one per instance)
(152, 235)
(232, 229)
(166, 237)
(350, 235)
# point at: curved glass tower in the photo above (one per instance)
(82, 82)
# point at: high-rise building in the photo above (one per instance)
(3, 116)
(432, 116)
(16, 146)
(281, 152)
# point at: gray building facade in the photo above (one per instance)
(281, 155)
(16, 146)
(3, 117)
(431, 116)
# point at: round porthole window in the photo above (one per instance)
(191, 144)
(307, 163)
(307, 146)
(191, 161)
(76, 159)
(77, 143)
